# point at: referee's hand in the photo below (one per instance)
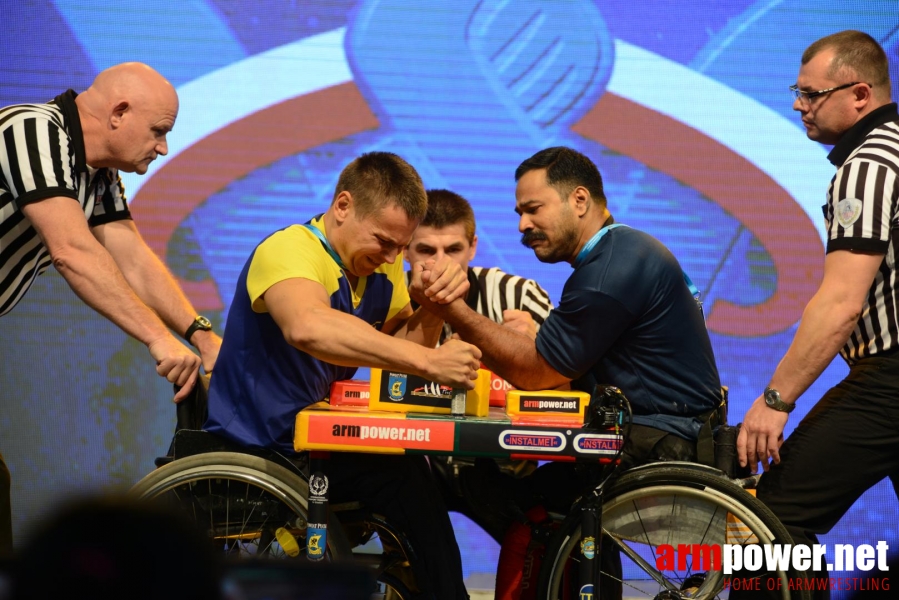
(761, 436)
(176, 363)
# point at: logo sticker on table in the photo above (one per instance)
(541, 404)
(597, 443)
(396, 386)
(348, 432)
(514, 439)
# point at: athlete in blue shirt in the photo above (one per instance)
(626, 317)
(316, 300)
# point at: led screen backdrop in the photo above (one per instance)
(683, 105)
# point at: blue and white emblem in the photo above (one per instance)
(396, 386)
(848, 211)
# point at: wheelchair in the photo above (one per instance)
(253, 504)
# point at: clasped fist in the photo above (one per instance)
(176, 363)
(456, 363)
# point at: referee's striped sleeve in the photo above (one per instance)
(502, 291)
(536, 301)
(863, 196)
(35, 160)
(110, 205)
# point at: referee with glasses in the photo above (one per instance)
(849, 441)
(62, 202)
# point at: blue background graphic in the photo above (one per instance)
(464, 91)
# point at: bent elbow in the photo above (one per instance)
(304, 335)
(64, 261)
(297, 337)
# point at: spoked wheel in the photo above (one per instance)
(248, 506)
(658, 505)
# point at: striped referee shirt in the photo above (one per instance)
(862, 213)
(42, 156)
(492, 291)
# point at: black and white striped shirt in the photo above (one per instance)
(862, 213)
(42, 156)
(492, 291)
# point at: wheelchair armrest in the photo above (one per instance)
(191, 411)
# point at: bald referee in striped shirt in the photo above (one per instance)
(849, 441)
(62, 202)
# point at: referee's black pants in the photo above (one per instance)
(847, 443)
(5, 512)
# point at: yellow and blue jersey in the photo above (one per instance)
(261, 381)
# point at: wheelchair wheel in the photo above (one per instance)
(249, 506)
(672, 504)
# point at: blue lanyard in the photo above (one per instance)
(591, 243)
(321, 236)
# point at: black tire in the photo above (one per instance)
(241, 501)
(673, 504)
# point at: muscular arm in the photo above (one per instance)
(508, 353)
(154, 284)
(302, 310)
(417, 326)
(446, 282)
(93, 275)
(827, 321)
(826, 324)
(90, 270)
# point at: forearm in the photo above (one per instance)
(825, 326)
(508, 353)
(94, 276)
(155, 285)
(422, 328)
(342, 339)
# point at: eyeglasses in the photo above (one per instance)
(807, 97)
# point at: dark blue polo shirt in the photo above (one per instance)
(627, 318)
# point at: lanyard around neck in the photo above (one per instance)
(591, 243)
(321, 236)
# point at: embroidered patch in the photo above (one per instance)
(848, 211)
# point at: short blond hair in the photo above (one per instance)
(377, 179)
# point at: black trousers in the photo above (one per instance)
(844, 446)
(402, 489)
(5, 511)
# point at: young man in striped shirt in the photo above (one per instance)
(850, 439)
(62, 202)
(448, 229)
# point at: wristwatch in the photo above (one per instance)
(200, 323)
(772, 399)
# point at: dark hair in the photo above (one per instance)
(565, 170)
(447, 208)
(856, 51)
(376, 179)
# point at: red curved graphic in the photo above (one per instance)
(738, 186)
(233, 152)
(689, 156)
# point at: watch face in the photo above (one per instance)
(204, 322)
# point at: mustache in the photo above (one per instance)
(528, 237)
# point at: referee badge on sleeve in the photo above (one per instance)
(848, 211)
